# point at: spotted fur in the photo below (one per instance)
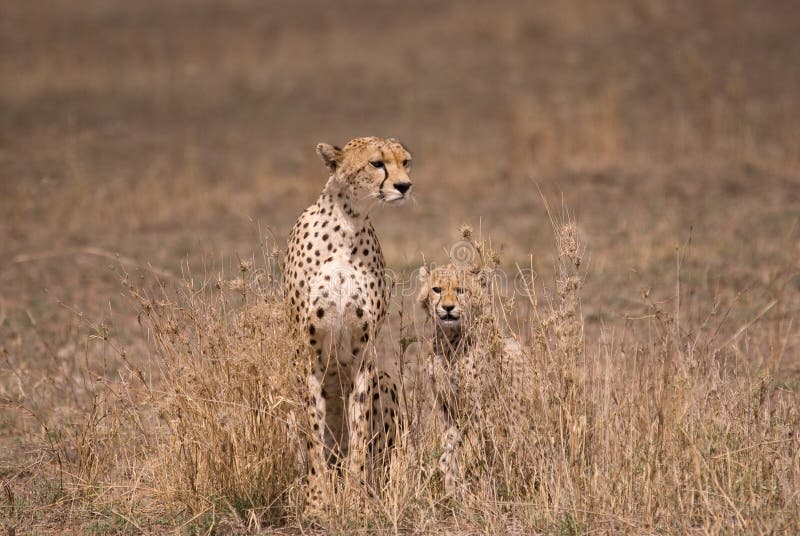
(337, 297)
(466, 341)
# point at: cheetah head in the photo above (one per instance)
(369, 170)
(451, 294)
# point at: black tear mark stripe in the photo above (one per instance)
(385, 176)
(385, 172)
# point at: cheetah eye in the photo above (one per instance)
(406, 162)
(437, 290)
(377, 164)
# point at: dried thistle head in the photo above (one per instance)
(465, 231)
(236, 285)
(569, 243)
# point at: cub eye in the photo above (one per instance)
(377, 164)
(437, 290)
(406, 163)
(459, 290)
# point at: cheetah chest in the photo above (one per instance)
(336, 278)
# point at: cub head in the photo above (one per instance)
(451, 294)
(368, 170)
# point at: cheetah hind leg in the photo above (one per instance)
(448, 462)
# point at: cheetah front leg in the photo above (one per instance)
(359, 404)
(315, 447)
(324, 443)
(446, 393)
(448, 461)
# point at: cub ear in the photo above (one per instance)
(331, 155)
(422, 297)
(483, 275)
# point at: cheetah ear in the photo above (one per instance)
(422, 297)
(484, 276)
(331, 155)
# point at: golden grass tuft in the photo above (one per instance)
(228, 440)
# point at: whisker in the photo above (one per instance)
(370, 195)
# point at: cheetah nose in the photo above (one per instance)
(402, 187)
(448, 308)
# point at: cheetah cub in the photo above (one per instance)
(467, 341)
(337, 297)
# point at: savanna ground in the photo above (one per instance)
(162, 144)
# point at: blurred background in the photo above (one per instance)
(176, 138)
(180, 135)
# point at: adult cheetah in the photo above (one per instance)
(467, 341)
(337, 296)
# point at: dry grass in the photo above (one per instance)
(170, 142)
(659, 428)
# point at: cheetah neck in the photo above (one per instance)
(452, 343)
(349, 234)
(344, 205)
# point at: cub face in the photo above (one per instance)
(370, 169)
(448, 293)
